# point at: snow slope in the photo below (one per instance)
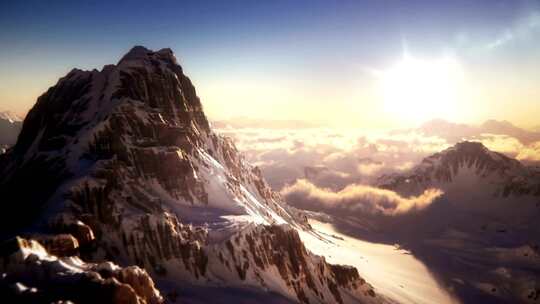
(391, 270)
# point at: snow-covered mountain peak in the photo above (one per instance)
(10, 126)
(470, 147)
(144, 115)
(140, 53)
(467, 164)
(136, 52)
(124, 160)
(9, 116)
(473, 153)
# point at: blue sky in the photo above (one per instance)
(298, 45)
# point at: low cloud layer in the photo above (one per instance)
(523, 29)
(356, 199)
(331, 158)
(530, 153)
(335, 159)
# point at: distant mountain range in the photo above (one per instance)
(10, 116)
(456, 132)
(10, 126)
(246, 122)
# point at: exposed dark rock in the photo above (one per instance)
(280, 247)
(32, 275)
(59, 244)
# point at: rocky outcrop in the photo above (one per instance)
(32, 275)
(59, 244)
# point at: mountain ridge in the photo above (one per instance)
(485, 221)
(513, 178)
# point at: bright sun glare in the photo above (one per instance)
(417, 90)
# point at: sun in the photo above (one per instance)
(417, 90)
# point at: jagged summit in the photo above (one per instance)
(141, 53)
(137, 52)
(470, 153)
(468, 146)
(468, 149)
(142, 114)
(84, 97)
(126, 154)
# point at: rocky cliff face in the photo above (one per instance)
(261, 254)
(124, 161)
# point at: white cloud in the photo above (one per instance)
(334, 159)
(346, 156)
(354, 198)
(525, 28)
(370, 169)
(530, 153)
(504, 38)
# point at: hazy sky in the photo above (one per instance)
(353, 63)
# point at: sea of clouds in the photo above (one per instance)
(323, 168)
